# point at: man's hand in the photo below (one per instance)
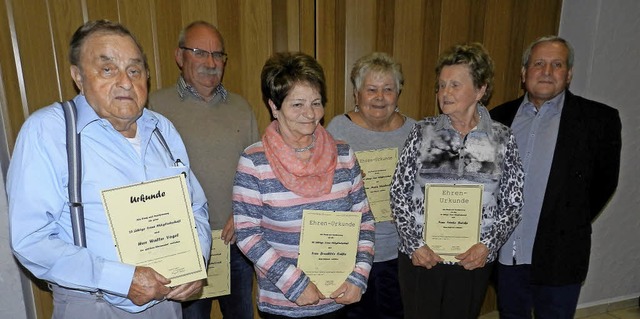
(147, 285)
(474, 257)
(229, 232)
(184, 291)
(310, 296)
(347, 293)
(425, 257)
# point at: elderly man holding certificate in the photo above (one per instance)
(456, 194)
(299, 201)
(144, 210)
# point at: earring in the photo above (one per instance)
(357, 109)
(397, 109)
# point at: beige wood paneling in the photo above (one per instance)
(336, 32)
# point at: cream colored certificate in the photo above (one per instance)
(328, 247)
(378, 166)
(218, 272)
(152, 225)
(452, 218)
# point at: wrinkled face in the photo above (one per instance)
(300, 113)
(547, 73)
(457, 95)
(378, 96)
(112, 76)
(203, 73)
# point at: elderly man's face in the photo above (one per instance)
(547, 74)
(204, 74)
(113, 78)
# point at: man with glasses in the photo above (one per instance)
(216, 126)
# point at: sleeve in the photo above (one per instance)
(40, 238)
(364, 256)
(510, 198)
(247, 213)
(606, 162)
(402, 185)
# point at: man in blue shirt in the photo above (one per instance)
(570, 150)
(122, 143)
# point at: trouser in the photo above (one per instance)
(238, 304)
(444, 291)
(517, 297)
(382, 299)
(71, 304)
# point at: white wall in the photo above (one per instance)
(606, 37)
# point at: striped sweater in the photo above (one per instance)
(268, 217)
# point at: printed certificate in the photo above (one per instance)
(378, 166)
(452, 218)
(219, 270)
(328, 247)
(152, 225)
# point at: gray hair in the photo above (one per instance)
(378, 62)
(99, 26)
(183, 32)
(549, 38)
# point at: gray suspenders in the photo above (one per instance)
(75, 172)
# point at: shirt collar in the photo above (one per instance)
(484, 125)
(86, 114)
(185, 89)
(554, 105)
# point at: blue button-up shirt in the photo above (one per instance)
(536, 132)
(41, 234)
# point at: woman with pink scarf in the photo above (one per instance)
(297, 166)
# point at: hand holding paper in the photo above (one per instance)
(425, 257)
(147, 285)
(474, 257)
(310, 296)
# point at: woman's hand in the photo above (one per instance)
(425, 257)
(347, 293)
(310, 296)
(474, 257)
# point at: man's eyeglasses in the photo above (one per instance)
(204, 54)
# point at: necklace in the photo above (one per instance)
(308, 147)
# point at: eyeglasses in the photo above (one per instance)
(204, 54)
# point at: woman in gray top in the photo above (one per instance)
(376, 124)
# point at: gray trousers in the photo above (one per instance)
(70, 304)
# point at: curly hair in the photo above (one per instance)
(477, 58)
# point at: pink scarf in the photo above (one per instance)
(311, 178)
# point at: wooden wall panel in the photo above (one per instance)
(256, 47)
(407, 46)
(36, 54)
(167, 25)
(34, 37)
(330, 52)
(11, 99)
(66, 16)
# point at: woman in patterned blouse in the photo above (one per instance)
(460, 146)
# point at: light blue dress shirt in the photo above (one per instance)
(536, 132)
(41, 235)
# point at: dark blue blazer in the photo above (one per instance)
(582, 179)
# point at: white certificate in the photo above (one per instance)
(328, 247)
(152, 225)
(219, 270)
(378, 167)
(452, 218)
